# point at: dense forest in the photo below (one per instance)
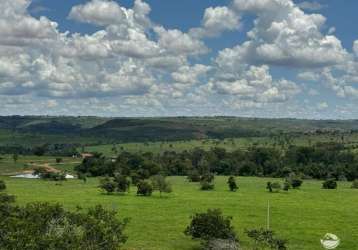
(321, 161)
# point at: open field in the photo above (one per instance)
(301, 216)
(229, 144)
(9, 167)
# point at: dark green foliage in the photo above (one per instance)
(122, 183)
(286, 185)
(144, 188)
(108, 185)
(206, 186)
(318, 161)
(273, 187)
(294, 180)
(43, 226)
(194, 176)
(59, 160)
(2, 185)
(232, 184)
(355, 184)
(207, 182)
(329, 184)
(266, 239)
(161, 184)
(210, 225)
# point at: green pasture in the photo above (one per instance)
(301, 216)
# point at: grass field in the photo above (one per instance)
(229, 144)
(301, 216)
(9, 167)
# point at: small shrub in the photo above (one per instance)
(296, 183)
(355, 184)
(206, 186)
(329, 184)
(210, 225)
(144, 188)
(232, 184)
(2, 185)
(266, 239)
(59, 160)
(273, 187)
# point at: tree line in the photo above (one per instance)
(320, 161)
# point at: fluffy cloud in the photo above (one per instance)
(217, 20)
(254, 84)
(284, 35)
(131, 65)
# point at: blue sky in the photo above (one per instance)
(264, 58)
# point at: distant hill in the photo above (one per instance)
(94, 130)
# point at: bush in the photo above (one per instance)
(273, 187)
(2, 185)
(266, 239)
(329, 184)
(208, 177)
(206, 186)
(159, 183)
(144, 188)
(59, 160)
(210, 225)
(295, 180)
(286, 185)
(122, 183)
(355, 184)
(45, 226)
(108, 185)
(232, 184)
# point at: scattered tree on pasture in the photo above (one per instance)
(144, 188)
(207, 182)
(108, 185)
(329, 184)
(122, 183)
(161, 184)
(273, 187)
(232, 184)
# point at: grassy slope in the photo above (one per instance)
(32, 130)
(302, 216)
